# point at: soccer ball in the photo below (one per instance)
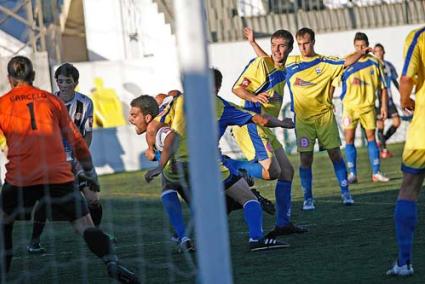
(160, 137)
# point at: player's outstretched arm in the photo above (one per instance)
(244, 94)
(384, 103)
(354, 57)
(406, 87)
(249, 35)
(272, 122)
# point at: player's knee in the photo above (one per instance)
(396, 122)
(287, 173)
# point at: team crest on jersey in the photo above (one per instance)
(318, 70)
(300, 82)
(346, 121)
(372, 72)
(245, 82)
(304, 142)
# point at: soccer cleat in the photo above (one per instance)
(266, 204)
(35, 248)
(352, 178)
(175, 238)
(347, 200)
(379, 177)
(249, 179)
(308, 204)
(404, 270)
(266, 244)
(286, 230)
(385, 154)
(185, 245)
(120, 273)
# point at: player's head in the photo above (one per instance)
(160, 98)
(143, 110)
(306, 40)
(174, 93)
(67, 78)
(218, 79)
(20, 70)
(360, 41)
(282, 43)
(379, 51)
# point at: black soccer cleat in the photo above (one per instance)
(35, 248)
(266, 244)
(249, 179)
(286, 230)
(266, 204)
(121, 274)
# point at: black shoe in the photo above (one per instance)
(286, 230)
(266, 204)
(185, 245)
(266, 244)
(244, 174)
(35, 248)
(121, 274)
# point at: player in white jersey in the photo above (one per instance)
(80, 109)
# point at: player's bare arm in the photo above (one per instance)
(354, 57)
(242, 93)
(406, 87)
(151, 131)
(384, 104)
(249, 35)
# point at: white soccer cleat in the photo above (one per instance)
(404, 270)
(352, 178)
(379, 177)
(308, 204)
(347, 200)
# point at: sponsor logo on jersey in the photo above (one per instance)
(300, 82)
(318, 70)
(358, 82)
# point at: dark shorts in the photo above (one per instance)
(59, 200)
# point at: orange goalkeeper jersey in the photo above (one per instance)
(34, 123)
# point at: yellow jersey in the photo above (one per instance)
(309, 81)
(261, 76)
(360, 83)
(414, 67)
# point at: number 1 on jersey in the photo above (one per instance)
(31, 110)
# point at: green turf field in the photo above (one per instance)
(345, 244)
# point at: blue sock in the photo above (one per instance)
(174, 211)
(373, 151)
(351, 155)
(283, 202)
(405, 217)
(306, 176)
(254, 218)
(341, 175)
(254, 169)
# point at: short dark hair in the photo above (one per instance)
(305, 31)
(218, 77)
(67, 69)
(361, 36)
(146, 104)
(20, 68)
(380, 46)
(285, 35)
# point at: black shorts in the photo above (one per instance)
(58, 200)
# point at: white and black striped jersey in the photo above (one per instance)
(80, 109)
